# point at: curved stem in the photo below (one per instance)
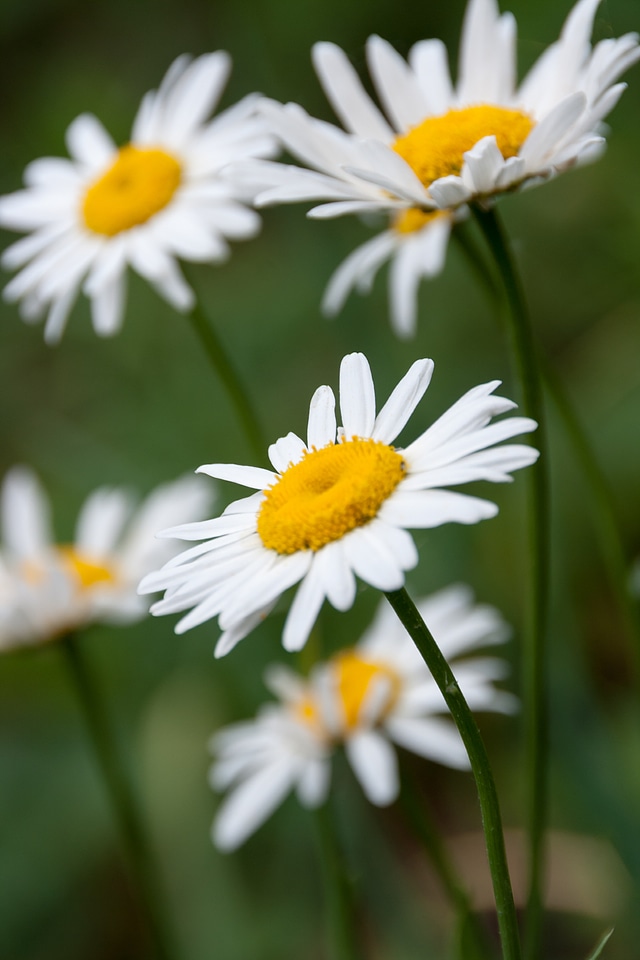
(472, 938)
(534, 655)
(223, 367)
(338, 888)
(487, 795)
(120, 793)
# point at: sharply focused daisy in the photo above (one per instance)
(47, 588)
(441, 146)
(338, 506)
(365, 698)
(166, 195)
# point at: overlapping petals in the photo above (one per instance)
(566, 95)
(234, 576)
(289, 745)
(62, 255)
(47, 588)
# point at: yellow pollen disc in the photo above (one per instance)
(330, 492)
(306, 711)
(414, 219)
(139, 183)
(436, 146)
(355, 674)
(86, 571)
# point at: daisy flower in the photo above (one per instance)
(47, 588)
(338, 506)
(440, 146)
(165, 195)
(367, 698)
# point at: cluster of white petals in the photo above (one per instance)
(48, 589)
(566, 94)
(289, 745)
(62, 254)
(233, 575)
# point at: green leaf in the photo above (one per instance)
(601, 945)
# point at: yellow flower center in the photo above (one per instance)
(85, 570)
(355, 675)
(139, 183)
(414, 219)
(436, 146)
(327, 494)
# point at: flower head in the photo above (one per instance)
(165, 195)
(441, 146)
(338, 506)
(47, 588)
(377, 693)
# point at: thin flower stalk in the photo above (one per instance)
(225, 370)
(338, 889)
(487, 794)
(605, 514)
(471, 939)
(121, 795)
(535, 708)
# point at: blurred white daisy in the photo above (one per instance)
(166, 195)
(441, 146)
(47, 588)
(338, 506)
(377, 693)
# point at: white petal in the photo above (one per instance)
(255, 477)
(396, 85)
(482, 166)
(89, 143)
(321, 428)
(346, 94)
(429, 737)
(554, 127)
(285, 451)
(304, 611)
(25, 514)
(357, 396)
(372, 560)
(358, 268)
(336, 576)
(433, 508)
(375, 765)
(249, 805)
(101, 522)
(429, 60)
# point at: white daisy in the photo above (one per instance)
(260, 762)
(381, 691)
(378, 693)
(165, 195)
(47, 588)
(441, 146)
(338, 506)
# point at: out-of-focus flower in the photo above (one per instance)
(441, 146)
(367, 698)
(168, 194)
(339, 505)
(48, 589)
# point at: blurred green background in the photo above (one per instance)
(143, 408)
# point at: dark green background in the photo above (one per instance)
(143, 408)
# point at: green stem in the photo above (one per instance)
(605, 516)
(338, 888)
(120, 793)
(472, 938)
(487, 794)
(222, 365)
(535, 711)
(607, 522)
